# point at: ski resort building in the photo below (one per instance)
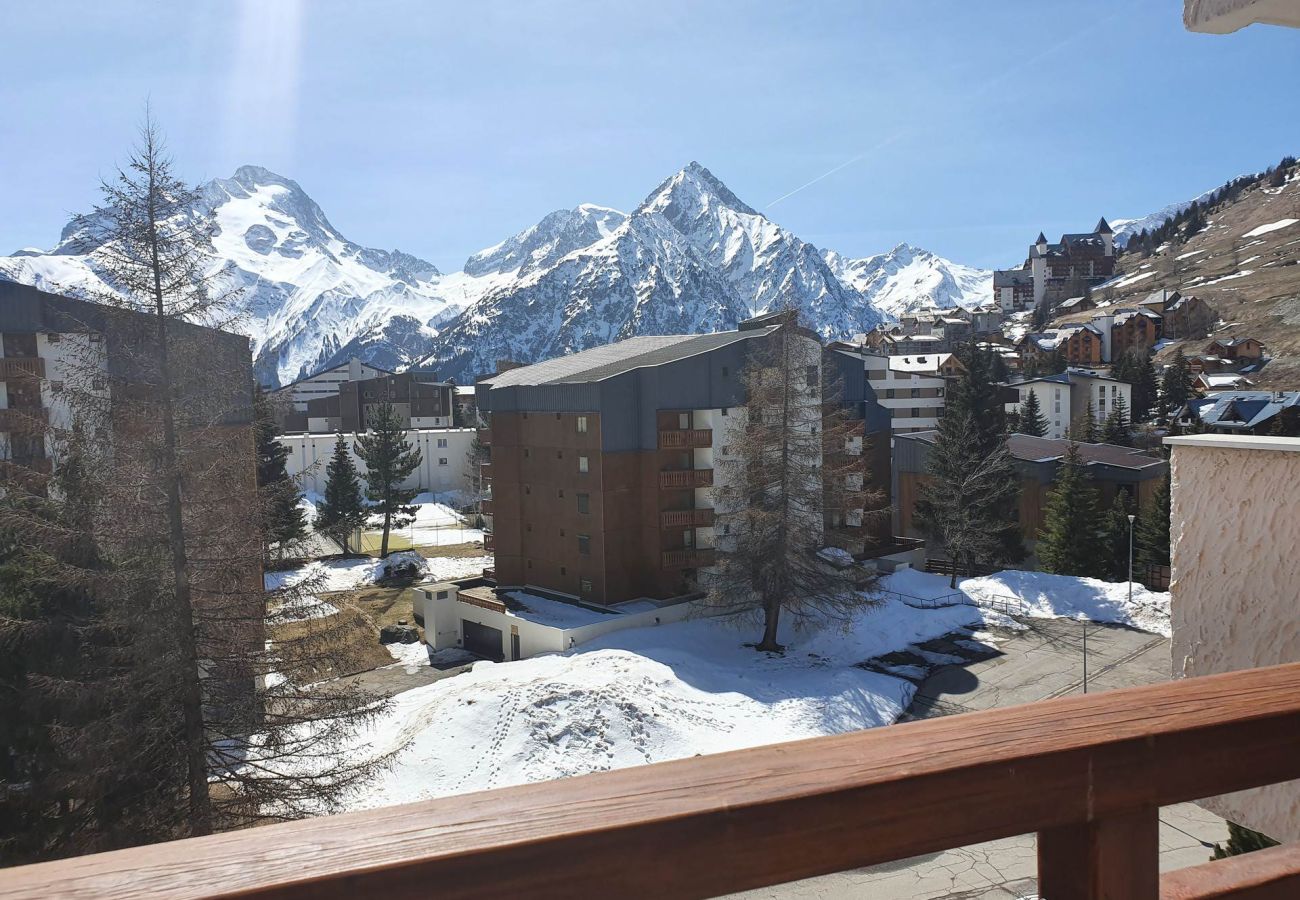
(446, 461)
(299, 393)
(604, 464)
(1055, 272)
(418, 397)
(1065, 397)
(1112, 470)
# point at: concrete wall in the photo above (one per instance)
(1236, 508)
(443, 617)
(309, 455)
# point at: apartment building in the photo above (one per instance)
(1065, 397)
(299, 393)
(62, 356)
(1055, 272)
(912, 388)
(1111, 469)
(418, 398)
(604, 463)
(446, 462)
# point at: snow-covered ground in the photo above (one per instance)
(643, 695)
(1271, 226)
(1062, 596)
(436, 525)
(349, 574)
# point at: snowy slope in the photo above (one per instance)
(908, 278)
(1126, 228)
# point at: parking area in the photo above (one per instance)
(1043, 661)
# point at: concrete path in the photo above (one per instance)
(1042, 662)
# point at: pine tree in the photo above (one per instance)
(343, 510)
(1152, 537)
(1116, 429)
(1176, 386)
(285, 524)
(389, 460)
(1084, 428)
(1115, 541)
(1070, 542)
(1242, 840)
(1056, 363)
(1031, 421)
(1145, 389)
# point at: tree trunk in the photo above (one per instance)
(771, 618)
(200, 803)
(383, 544)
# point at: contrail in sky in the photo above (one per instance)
(978, 91)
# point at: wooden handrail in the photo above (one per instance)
(1087, 772)
(1272, 874)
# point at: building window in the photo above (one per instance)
(584, 544)
(96, 338)
(585, 586)
(916, 392)
(561, 532)
(582, 424)
(528, 489)
(811, 374)
(559, 454)
(442, 460)
(442, 595)
(584, 503)
(725, 371)
(53, 338)
(582, 464)
(527, 453)
(442, 443)
(916, 413)
(561, 492)
(557, 417)
(563, 570)
(529, 528)
(724, 410)
(530, 563)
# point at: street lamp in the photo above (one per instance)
(1131, 520)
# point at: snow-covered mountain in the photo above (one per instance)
(691, 257)
(1126, 228)
(908, 278)
(310, 296)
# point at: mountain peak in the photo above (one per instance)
(692, 186)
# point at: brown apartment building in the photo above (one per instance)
(419, 398)
(603, 463)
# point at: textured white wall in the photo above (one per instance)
(1236, 582)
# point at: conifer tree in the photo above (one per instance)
(285, 523)
(1116, 429)
(1152, 538)
(1115, 541)
(343, 510)
(1030, 420)
(1242, 840)
(1145, 388)
(1070, 542)
(1176, 386)
(1084, 428)
(389, 460)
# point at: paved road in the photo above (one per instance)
(1042, 662)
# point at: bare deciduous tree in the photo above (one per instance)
(777, 487)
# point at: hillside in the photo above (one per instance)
(1245, 263)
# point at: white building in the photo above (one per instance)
(444, 466)
(1065, 397)
(912, 387)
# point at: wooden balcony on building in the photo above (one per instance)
(24, 418)
(489, 543)
(686, 478)
(15, 367)
(685, 438)
(485, 437)
(695, 558)
(1087, 773)
(485, 506)
(485, 471)
(686, 518)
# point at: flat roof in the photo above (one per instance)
(1028, 448)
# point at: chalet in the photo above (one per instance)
(1211, 382)
(1238, 349)
(1075, 305)
(1188, 317)
(1131, 331)
(1112, 470)
(1245, 412)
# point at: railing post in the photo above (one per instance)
(1113, 858)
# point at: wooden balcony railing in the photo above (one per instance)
(21, 367)
(24, 418)
(1088, 773)
(489, 543)
(687, 518)
(681, 438)
(686, 478)
(696, 558)
(485, 507)
(485, 437)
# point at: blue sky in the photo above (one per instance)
(442, 128)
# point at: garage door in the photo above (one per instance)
(482, 640)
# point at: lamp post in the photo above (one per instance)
(1131, 520)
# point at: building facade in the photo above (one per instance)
(446, 461)
(606, 464)
(298, 394)
(1065, 397)
(1055, 272)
